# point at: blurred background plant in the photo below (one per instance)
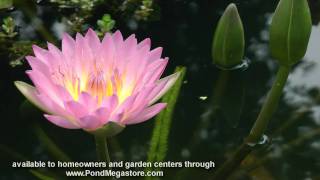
(85, 5)
(73, 16)
(5, 4)
(8, 28)
(105, 24)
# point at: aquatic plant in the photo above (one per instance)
(289, 36)
(97, 86)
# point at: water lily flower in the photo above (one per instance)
(90, 83)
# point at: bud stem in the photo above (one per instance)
(269, 106)
(102, 148)
(258, 128)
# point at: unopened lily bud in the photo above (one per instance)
(228, 42)
(290, 31)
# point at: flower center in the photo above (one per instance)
(98, 84)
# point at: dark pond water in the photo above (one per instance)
(198, 133)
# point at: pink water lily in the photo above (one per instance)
(91, 82)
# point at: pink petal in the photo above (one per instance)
(108, 53)
(170, 82)
(39, 52)
(61, 122)
(37, 64)
(54, 50)
(42, 101)
(127, 104)
(103, 114)
(76, 109)
(145, 43)
(68, 45)
(45, 85)
(89, 122)
(141, 100)
(30, 93)
(44, 55)
(110, 102)
(83, 52)
(155, 71)
(117, 37)
(156, 90)
(155, 54)
(146, 114)
(63, 93)
(117, 117)
(120, 51)
(137, 65)
(85, 99)
(130, 45)
(54, 57)
(53, 107)
(93, 40)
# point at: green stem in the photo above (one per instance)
(258, 128)
(269, 106)
(233, 162)
(102, 148)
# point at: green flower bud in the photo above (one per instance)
(228, 42)
(290, 31)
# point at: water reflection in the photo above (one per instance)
(243, 66)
